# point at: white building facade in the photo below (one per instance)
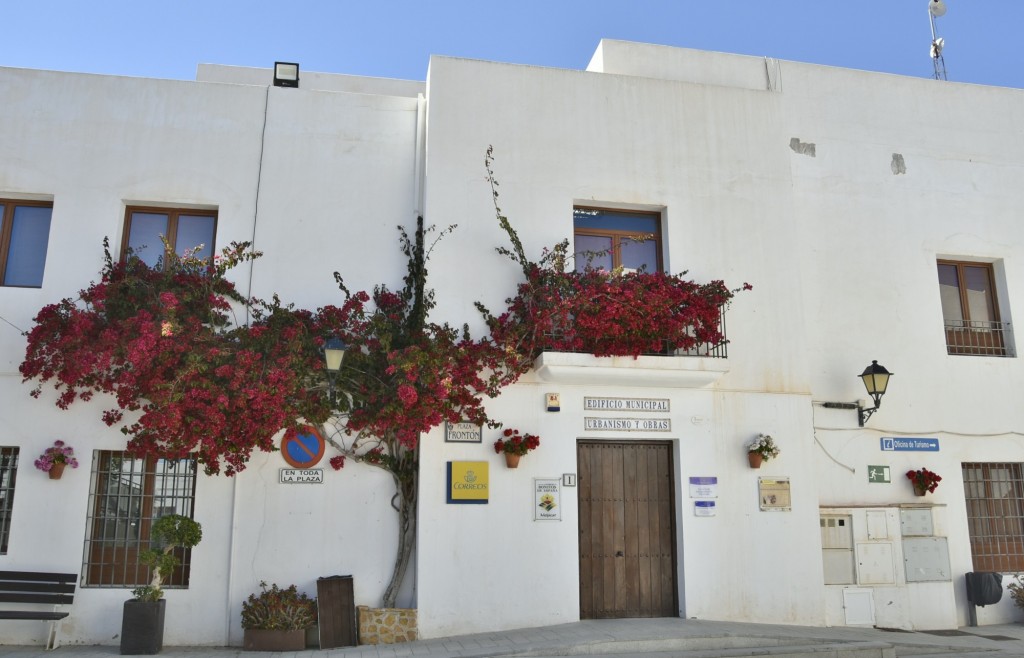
(875, 216)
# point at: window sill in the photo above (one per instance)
(664, 371)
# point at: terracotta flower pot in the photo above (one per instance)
(511, 460)
(57, 470)
(919, 490)
(755, 459)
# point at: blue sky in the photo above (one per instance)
(392, 38)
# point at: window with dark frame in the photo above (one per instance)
(184, 230)
(606, 239)
(24, 236)
(994, 493)
(127, 495)
(8, 478)
(970, 311)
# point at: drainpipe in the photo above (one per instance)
(419, 166)
(229, 602)
(256, 204)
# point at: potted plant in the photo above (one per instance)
(924, 481)
(1017, 591)
(55, 458)
(276, 619)
(515, 446)
(142, 624)
(761, 449)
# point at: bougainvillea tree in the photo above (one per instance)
(402, 376)
(163, 343)
(598, 312)
(185, 377)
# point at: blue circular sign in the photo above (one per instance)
(304, 449)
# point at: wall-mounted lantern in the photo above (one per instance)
(876, 380)
(334, 353)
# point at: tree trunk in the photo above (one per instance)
(407, 504)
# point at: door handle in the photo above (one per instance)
(619, 554)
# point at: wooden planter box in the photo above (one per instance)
(257, 639)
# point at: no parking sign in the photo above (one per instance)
(304, 449)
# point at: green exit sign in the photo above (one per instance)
(878, 474)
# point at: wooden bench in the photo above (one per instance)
(38, 588)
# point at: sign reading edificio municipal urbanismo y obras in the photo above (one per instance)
(633, 405)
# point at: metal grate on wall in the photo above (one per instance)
(994, 494)
(8, 478)
(126, 495)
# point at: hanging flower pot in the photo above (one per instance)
(55, 458)
(761, 449)
(924, 481)
(515, 446)
(57, 470)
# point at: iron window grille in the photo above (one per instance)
(8, 478)
(994, 494)
(127, 494)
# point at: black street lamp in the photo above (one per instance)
(876, 380)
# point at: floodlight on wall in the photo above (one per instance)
(286, 74)
(876, 380)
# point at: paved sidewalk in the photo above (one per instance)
(632, 637)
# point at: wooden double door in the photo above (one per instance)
(627, 529)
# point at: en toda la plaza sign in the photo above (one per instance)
(632, 405)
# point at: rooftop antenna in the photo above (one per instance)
(937, 8)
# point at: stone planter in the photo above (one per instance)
(258, 639)
(387, 625)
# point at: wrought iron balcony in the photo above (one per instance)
(717, 350)
(979, 338)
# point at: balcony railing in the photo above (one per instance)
(717, 350)
(978, 338)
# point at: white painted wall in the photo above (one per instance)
(840, 249)
(336, 178)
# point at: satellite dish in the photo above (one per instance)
(937, 8)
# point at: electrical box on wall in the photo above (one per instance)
(836, 531)
(926, 559)
(837, 550)
(916, 523)
(875, 563)
(878, 527)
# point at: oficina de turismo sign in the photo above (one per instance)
(909, 444)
